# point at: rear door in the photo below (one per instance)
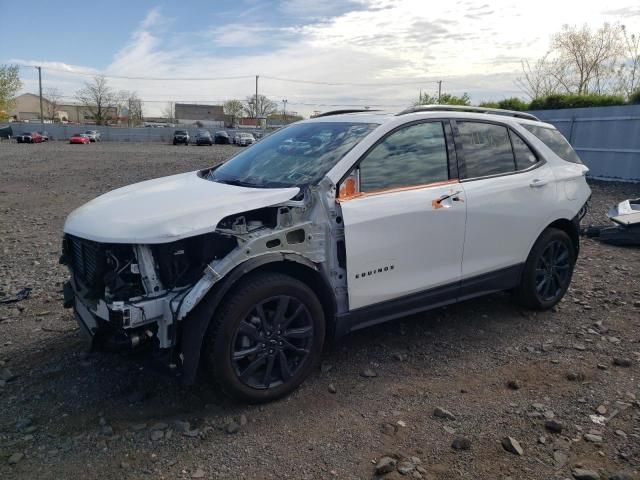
(510, 193)
(404, 216)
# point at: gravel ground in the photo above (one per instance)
(506, 381)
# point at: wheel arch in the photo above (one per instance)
(194, 326)
(571, 228)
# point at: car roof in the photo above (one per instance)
(386, 117)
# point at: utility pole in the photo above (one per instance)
(439, 89)
(40, 83)
(284, 110)
(257, 76)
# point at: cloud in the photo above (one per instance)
(395, 47)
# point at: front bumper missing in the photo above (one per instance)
(86, 320)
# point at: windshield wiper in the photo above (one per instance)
(235, 182)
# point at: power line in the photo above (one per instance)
(417, 81)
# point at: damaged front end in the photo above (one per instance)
(127, 296)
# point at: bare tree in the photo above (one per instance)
(99, 99)
(541, 78)
(263, 107)
(587, 59)
(629, 72)
(53, 99)
(235, 109)
(130, 101)
(169, 112)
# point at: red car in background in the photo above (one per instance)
(80, 138)
(29, 137)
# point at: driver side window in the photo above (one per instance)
(412, 156)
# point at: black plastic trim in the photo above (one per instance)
(502, 279)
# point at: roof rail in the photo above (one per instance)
(340, 112)
(464, 108)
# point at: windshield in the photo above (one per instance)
(294, 156)
(180, 132)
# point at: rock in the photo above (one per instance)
(622, 362)
(512, 445)
(159, 426)
(620, 476)
(332, 388)
(182, 426)
(589, 437)
(15, 458)
(513, 384)
(579, 347)
(7, 375)
(199, 473)
(443, 413)
(385, 465)
(575, 376)
(448, 429)
(400, 357)
(621, 433)
(107, 431)
(553, 425)
(368, 373)
(157, 435)
(405, 467)
(243, 420)
(584, 474)
(125, 465)
(602, 366)
(560, 458)
(602, 410)
(232, 427)
(388, 429)
(461, 443)
(23, 423)
(325, 367)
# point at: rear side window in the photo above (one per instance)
(525, 158)
(553, 139)
(486, 149)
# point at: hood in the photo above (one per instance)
(167, 209)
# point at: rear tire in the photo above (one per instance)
(547, 272)
(265, 338)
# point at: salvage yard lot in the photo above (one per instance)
(500, 371)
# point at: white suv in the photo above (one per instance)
(324, 227)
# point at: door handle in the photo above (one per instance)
(538, 182)
(453, 196)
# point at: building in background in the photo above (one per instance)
(26, 108)
(188, 113)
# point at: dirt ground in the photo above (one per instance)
(67, 413)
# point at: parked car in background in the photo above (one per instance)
(29, 137)
(93, 135)
(181, 136)
(45, 136)
(80, 138)
(244, 139)
(6, 131)
(221, 138)
(249, 265)
(203, 137)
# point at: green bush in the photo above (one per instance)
(634, 98)
(513, 103)
(555, 102)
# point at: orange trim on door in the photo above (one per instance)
(345, 193)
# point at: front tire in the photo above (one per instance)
(548, 270)
(266, 337)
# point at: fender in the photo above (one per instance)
(194, 326)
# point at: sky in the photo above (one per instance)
(318, 55)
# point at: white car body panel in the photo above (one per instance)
(504, 215)
(398, 243)
(167, 209)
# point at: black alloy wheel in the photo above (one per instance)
(272, 342)
(552, 271)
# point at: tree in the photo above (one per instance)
(629, 73)
(10, 84)
(99, 99)
(513, 103)
(445, 99)
(541, 78)
(169, 113)
(132, 103)
(53, 99)
(262, 108)
(234, 109)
